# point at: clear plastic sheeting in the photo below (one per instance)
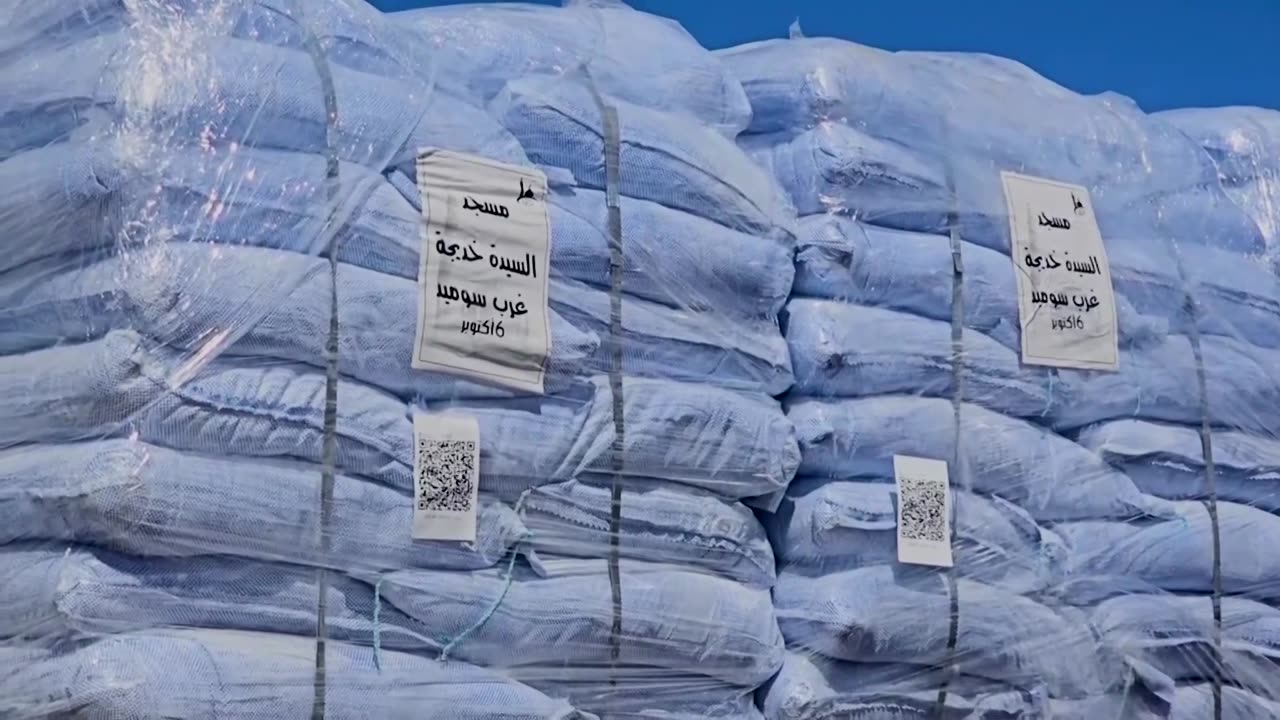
(1244, 143)
(216, 674)
(486, 44)
(220, 494)
(228, 488)
(1110, 531)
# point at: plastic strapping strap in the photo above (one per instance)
(1211, 504)
(330, 447)
(377, 622)
(957, 401)
(612, 185)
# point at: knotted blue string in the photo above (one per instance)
(450, 645)
(493, 607)
(506, 586)
(474, 627)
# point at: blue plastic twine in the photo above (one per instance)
(493, 607)
(506, 586)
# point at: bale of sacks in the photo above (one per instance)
(1108, 530)
(209, 471)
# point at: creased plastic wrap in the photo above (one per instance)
(1109, 531)
(1244, 144)
(210, 471)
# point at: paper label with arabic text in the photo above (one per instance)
(483, 279)
(1066, 304)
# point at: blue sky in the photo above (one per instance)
(1175, 53)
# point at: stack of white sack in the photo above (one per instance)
(211, 291)
(1084, 584)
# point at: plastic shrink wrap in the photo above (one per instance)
(217, 454)
(1109, 529)
(1244, 143)
(219, 458)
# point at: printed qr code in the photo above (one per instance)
(924, 507)
(444, 474)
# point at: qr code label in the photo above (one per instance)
(924, 509)
(445, 475)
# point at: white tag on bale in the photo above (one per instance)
(483, 277)
(924, 511)
(446, 476)
(1066, 304)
